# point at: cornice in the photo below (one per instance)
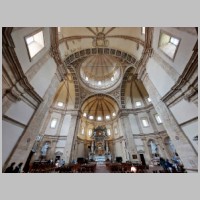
(22, 89)
(187, 84)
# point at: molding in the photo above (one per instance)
(146, 54)
(78, 37)
(189, 121)
(123, 56)
(187, 84)
(53, 137)
(21, 89)
(55, 54)
(13, 121)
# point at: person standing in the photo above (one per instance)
(10, 168)
(18, 168)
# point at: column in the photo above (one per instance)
(162, 148)
(106, 146)
(22, 151)
(152, 122)
(71, 138)
(92, 147)
(131, 147)
(54, 142)
(181, 143)
(138, 123)
(146, 150)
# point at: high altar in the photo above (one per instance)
(99, 148)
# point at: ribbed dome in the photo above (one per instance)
(100, 71)
(100, 108)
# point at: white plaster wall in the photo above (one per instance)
(10, 135)
(61, 143)
(148, 129)
(59, 149)
(138, 142)
(65, 125)
(134, 125)
(20, 107)
(127, 46)
(139, 148)
(184, 51)
(191, 130)
(18, 36)
(159, 77)
(42, 79)
(49, 130)
(184, 111)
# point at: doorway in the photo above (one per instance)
(142, 159)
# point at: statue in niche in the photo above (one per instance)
(154, 148)
(44, 149)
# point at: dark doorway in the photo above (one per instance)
(57, 158)
(142, 159)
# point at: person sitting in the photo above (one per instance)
(10, 168)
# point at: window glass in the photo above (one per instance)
(53, 123)
(35, 43)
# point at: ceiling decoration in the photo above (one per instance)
(99, 108)
(100, 71)
(125, 57)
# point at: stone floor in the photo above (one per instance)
(101, 168)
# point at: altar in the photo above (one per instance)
(99, 147)
(100, 158)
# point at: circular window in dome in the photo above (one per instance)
(100, 71)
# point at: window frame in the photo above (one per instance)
(52, 121)
(146, 118)
(142, 30)
(138, 106)
(31, 35)
(157, 120)
(171, 36)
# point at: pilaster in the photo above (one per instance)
(181, 143)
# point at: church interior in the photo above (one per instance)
(100, 99)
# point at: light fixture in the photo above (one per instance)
(133, 169)
(114, 114)
(91, 117)
(60, 104)
(84, 114)
(86, 78)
